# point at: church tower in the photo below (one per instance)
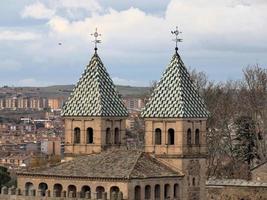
(94, 115)
(175, 126)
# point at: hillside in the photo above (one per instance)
(65, 90)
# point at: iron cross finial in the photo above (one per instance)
(96, 40)
(176, 32)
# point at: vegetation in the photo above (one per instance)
(238, 123)
(4, 176)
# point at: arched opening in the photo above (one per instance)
(73, 189)
(42, 187)
(114, 190)
(197, 137)
(147, 192)
(194, 181)
(28, 188)
(100, 192)
(167, 191)
(157, 136)
(137, 193)
(176, 191)
(77, 135)
(108, 136)
(57, 189)
(90, 136)
(117, 136)
(189, 137)
(84, 190)
(157, 192)
(171, 136)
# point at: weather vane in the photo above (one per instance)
(177, 39)
(96, 40)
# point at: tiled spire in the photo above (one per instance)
(175, 96)
(95, 94)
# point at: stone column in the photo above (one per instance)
(120, 196)
(4, 190)
(71, 194)
(32, 192)
(47, 193)
(63, 194)
(87, 195)
(40, 193)
(104, 196)
(18, 191)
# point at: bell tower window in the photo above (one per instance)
(77, 135)
(170, 136)
(189, 137)
(117, 136)
(197, 137)
(90, 136)
(158, 136)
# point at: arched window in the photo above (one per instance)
(43, 187)
(73, 189)
(176, 191)
(189, 137)
(57, 189)
(158, 136)
(167, 191)
(90, 136)
(197, 137)
(100, 192)
(147, 192)
(28, 188)
(77, 135)
(85, 189)
(114, 192)
(137, 193)
(157, 192)
(117, 136)
(193, 181)
(171, 136)
(108, 136)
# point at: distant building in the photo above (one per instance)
(51, 146)
(16, 160)
(2, 104)
(55, 103)
(134, 104)
(23, 103)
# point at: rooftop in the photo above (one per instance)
(122, 164)
(175, 95)
(95, 94)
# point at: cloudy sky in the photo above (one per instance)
(220, 38)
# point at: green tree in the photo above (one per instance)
(246, 140)
(4, 176)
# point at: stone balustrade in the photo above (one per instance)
(18, 194)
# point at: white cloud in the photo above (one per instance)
(90, 5)
(18, 35)
(217, 25)
(37, 11)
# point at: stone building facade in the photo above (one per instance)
(172, 165)
(236, 189)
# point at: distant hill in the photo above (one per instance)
(65, 90)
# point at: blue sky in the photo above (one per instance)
(221, 37)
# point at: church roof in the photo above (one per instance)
(175, 96)
(122, 164)
(95, 94)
